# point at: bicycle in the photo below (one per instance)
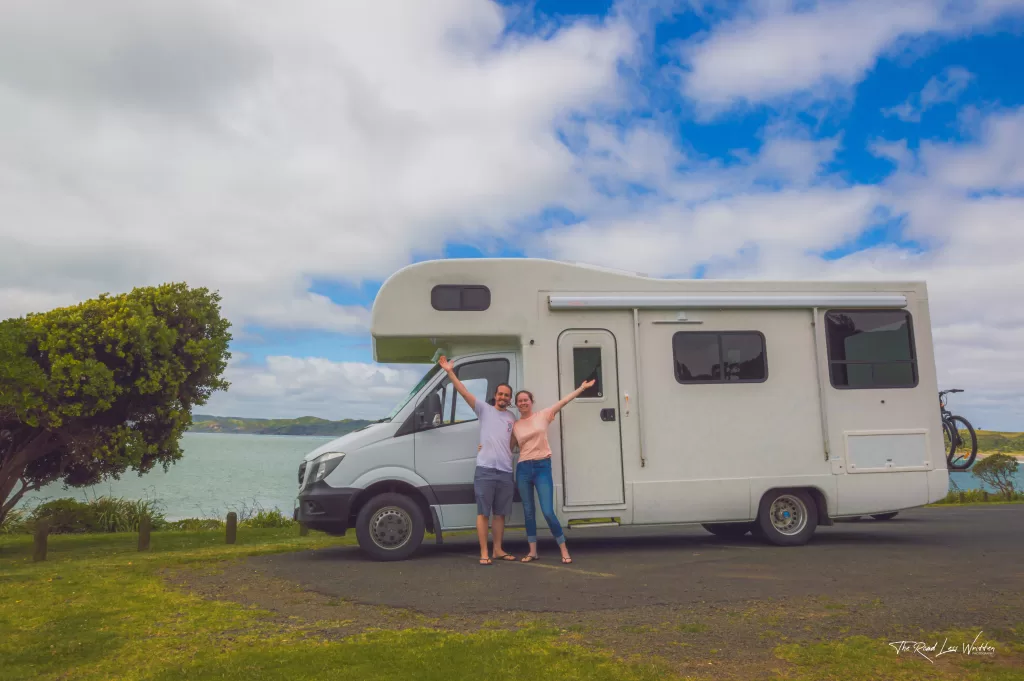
(952, 435)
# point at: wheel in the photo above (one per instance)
(884, 516)
(786, 517)
(728, 530)
(390, 526)
(963, 447)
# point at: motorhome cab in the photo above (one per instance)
(765, 407)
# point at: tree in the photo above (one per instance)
(997, 471)
(90, 391)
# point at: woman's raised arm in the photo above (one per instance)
(570, 397)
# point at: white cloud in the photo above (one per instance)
(945, 87)
(963, 201)
(779, 49)
(253, 150)
(289, 387)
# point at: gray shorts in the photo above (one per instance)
(494, 490)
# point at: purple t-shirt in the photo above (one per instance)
(495, 436)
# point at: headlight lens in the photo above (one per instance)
(325, 463)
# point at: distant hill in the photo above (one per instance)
(306, 425)
(993, 441)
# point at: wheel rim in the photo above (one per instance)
(391, 528)
(788, 514)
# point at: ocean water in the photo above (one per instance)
(220, 473)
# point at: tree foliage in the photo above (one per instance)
(997, 470)
(90, 391)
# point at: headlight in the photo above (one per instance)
(324, 464)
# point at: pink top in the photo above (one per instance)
(532, 435)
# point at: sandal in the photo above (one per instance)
(566, 560)
(530, 559)
(506, 556)
(485, 561)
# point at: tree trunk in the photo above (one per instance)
(12, 470)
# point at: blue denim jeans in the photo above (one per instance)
(537, 474)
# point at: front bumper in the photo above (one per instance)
(322, 507)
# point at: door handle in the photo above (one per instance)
(607, 414)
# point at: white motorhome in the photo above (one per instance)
(770, 407)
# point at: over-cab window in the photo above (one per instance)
(871, 349)
(465, 298)
(719, 357)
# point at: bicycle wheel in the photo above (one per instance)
(963, 443)
(948, 440)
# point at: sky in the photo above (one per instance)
(293, 155)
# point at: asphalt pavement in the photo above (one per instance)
(944, 551)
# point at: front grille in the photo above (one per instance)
(302, 473)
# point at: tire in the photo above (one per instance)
(390, 527)
(728, 530)
(884, 516)
(786, 517)
(962, 451)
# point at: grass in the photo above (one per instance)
(859, 657)
(98, 609)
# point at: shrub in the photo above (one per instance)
(998, 470)
(194, 524)
(102, 514)
(121, 515)
(66, 516)
(272, 518)
(16, 522)
(974, 496)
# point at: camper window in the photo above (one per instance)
(871, 349)
(586, 366)
(448, 298)
(719, 357)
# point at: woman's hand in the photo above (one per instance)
(586, 384)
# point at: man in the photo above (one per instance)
(493, 483)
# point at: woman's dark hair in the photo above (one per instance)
(524, 392)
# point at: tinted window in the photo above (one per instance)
(464, 298)
(586, 366)
(482, 380)
(871, 349)
(710, 357)
(696, 356)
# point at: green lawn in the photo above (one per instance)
(98, 609)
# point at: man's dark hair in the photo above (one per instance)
(503, 384)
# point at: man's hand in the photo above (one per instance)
(444, 363)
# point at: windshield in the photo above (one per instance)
(416, 388)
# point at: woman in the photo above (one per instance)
(530, 433)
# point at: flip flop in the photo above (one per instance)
(485, 562)
(530, 559)
(566, 560)
(506, 556)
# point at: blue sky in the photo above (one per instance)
(859, 119)
(293, 161)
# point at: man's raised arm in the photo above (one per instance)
(466, 395)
